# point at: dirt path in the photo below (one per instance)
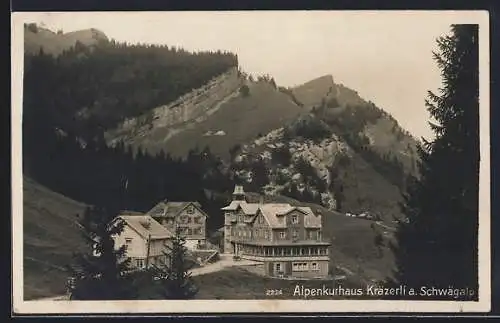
(226, 261)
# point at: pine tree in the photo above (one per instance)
(437, 243)
(102, 273)
(175, 279)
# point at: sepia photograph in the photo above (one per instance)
(250, 161)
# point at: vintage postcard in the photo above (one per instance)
(242, 162)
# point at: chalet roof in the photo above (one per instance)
(310, 220)
(273, 212)
(248, 208)
(145, 225)
(171, 209)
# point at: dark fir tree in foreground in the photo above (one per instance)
(175, 279)
(102, 273)
(438, 242)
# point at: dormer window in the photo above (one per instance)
(295, 219)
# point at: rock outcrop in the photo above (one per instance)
(189, 107)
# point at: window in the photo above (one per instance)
(299, 266)
(282, 235)
(140, 263)
(278, 267)
(314, 266)
(266, 234)
(295, 234)
(128, 243)
(261, 219)
(322, 251)
(190, 209)
(295, 219)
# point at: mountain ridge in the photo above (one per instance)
(36, 37)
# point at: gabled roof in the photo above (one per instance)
(145, 226)
(311, 220)
(274, 212)
(247, 208)
(172, 209)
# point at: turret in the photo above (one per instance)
(239, 193)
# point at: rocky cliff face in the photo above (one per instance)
(169, 119)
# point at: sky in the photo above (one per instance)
(385, 56)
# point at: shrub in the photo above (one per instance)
(245, 90)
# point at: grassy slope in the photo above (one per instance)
(237, 283)
(352, 241)
(242, 119)
(50, 237)
(311, 93)
(54, 44)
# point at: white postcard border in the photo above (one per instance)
(238, 306)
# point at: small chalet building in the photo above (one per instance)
(187, 215)
(145, 239)
(286, 239)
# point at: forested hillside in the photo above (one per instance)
(94, 88)
(72, 98)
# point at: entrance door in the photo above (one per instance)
(278, 269)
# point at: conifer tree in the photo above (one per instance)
(437, 242)
(103, 272)
(175, 278)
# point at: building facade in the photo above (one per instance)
(189, 216)
(286, 239)
(147, 241)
